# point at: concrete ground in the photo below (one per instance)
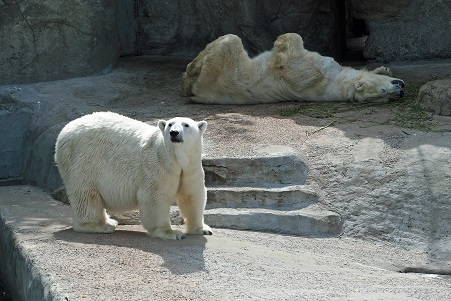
(51, 262)
(388, 181)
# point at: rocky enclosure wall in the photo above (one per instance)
(185, 27)
(50, 40)
(406, 29)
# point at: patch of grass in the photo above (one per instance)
(321, 109)
(407, 113)
(413, 117)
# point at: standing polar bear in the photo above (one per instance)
(223, 73)
(108, 161)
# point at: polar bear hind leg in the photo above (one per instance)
(194, 68)
(217, 62)
(88, 212)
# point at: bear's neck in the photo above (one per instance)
(347, 79)
(187, 160)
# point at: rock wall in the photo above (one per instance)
(185, 27)
(50, 40)
(406, 29)
(15, 119)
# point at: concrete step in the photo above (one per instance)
(289, 209)
(271, 165)
(280, 197)
(311, 222)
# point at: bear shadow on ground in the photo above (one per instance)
(180, 257)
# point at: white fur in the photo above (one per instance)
(108, 161)
(223, 73)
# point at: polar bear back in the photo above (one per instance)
(106, 151)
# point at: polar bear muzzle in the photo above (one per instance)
(401, 85)
(176, 137)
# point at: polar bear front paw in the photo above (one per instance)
(167, 234)
(204, 230)
(112, 222)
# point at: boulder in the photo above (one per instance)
(49, 40)
(435, 96)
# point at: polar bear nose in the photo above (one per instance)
(173, 133)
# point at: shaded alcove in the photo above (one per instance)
(352, 33)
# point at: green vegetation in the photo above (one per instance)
(406, 113)
(322, 110)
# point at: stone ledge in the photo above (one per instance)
(286, 197)
(303, 222)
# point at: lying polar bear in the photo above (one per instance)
(223, 73)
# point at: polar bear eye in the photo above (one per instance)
(170, 124)
(384, 91)
(186, 125)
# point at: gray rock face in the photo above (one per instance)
(406, 29)
(15, 118)
(48, 40)
(435, 96)
(185, 27)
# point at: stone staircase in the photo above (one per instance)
(266, 193)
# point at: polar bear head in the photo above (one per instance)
(373, 87)
(181, 130)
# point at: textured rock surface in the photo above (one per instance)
(435, 97)
(48, 40)
(274, 165)
(15, 119)
(185, 27)
(406, 29)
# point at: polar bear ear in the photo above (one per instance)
(359, 86)
(202, 126)
(162, 124)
